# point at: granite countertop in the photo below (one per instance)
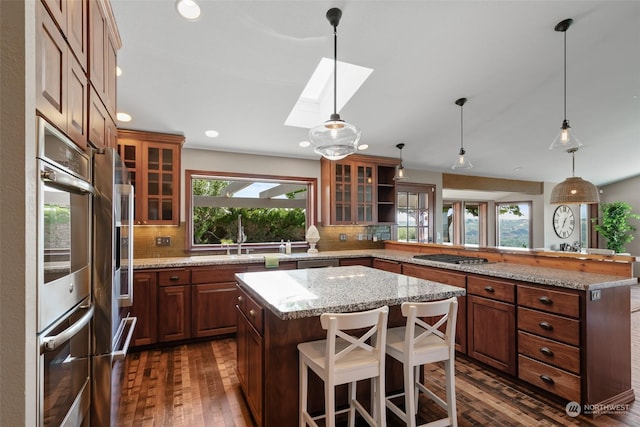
(294, 294)
(526, 273)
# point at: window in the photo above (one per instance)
(471, 223)
(464, 223)
(513, 228)
(272, 209)
(447, 222)
(585, 225)
(414, 215)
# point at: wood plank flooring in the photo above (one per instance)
(196, 385)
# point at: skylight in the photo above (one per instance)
(315, 103)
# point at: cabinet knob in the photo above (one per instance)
(545, 300)
(240, 298)
(489, 289)
(174, 278)
(547, 379)
(546, 326)
(546, 351)
(252, 313)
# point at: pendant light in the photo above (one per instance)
(574, 190)
(462, 162)
(335, 139)
(565, 139)
(400, 175)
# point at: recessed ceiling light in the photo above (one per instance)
(304, 144)
(518, 169)
(123, 117)
(211, 133)
(118, 71)
(188, 9)
(363, 147)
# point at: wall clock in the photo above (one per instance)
(563, 221)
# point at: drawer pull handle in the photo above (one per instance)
(489, 289)
(252, 313)
(547, 379)
(240, 298)
(545, 300)
(546, 351)
(174, 278)
(546, 326)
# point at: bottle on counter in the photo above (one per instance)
(282, 247)
(288, 247)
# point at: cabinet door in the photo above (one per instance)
(97, 33)
(213, 309)
(51, 70)
(77, 29)
(242, 354)
(174, 307)
(77, 103)
(364, 194)
(161, 177)
(342, 193)
(110, 77)
(255, 370)
(131, 154)
(58, 10)
(145, 308)
(492, 333)
(97, 120)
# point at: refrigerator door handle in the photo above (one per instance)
(53, 342)
(122, 353)
(126, 300)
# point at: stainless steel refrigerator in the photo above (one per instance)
(112, 289)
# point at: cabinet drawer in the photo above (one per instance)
(558, 302)
(174, 277)
(383, 264)
(251, 309)
(216, 274)
(494, 289)
(554, 380)
(549, 325)
(545, 350)
(435, 274)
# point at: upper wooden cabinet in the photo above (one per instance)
(153, 160)
(65, 31)
(358, 190)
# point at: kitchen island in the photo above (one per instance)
(279, 309)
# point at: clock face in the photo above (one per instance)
(563, 221)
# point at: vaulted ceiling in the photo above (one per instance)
(240, 68)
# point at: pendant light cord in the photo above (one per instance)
(335, 69)
(565, 75)
(461, 130)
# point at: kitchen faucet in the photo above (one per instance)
(241, 236)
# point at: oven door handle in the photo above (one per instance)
(63, 181)
(122, 353)
(53, 342)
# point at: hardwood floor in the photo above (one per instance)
(196, 385)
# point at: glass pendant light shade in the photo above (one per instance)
(574, 190)
(461, 162)
(565, 139)
(335, 139)
(401, 174)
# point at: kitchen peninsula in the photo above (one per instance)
(557, 322)
(279, 309)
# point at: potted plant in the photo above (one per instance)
(614, 224)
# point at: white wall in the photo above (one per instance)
(625, 191)
(18, 352)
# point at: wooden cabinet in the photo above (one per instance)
(64, 94)
(153, 160)
(145, 308)
(386, 265)
(448, 278)
(174, 305)
(214, 295)
(250, 352)
(491, 323)
(350, 190)
(549, 340)
(365, 261)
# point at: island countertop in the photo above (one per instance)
(294, 294)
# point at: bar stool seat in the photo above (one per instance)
(352, 351)
(419, 343)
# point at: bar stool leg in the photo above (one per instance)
(449, 367)
(304, 372)
(330, 404)
(410, 394)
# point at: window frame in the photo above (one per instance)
(429, 191)
(311, 208)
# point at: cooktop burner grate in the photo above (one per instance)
(452, 259)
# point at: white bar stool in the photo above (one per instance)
(419, 343)
(347, 358)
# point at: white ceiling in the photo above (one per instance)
(241, 67)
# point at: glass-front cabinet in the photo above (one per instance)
(352, 190)
(153, 160)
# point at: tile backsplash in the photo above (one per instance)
(332, 238)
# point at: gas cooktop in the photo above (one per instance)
(452, 259)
